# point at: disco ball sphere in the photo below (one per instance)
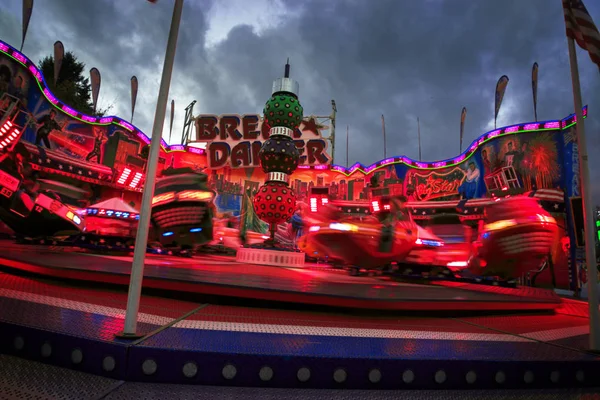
(279, 155)
(275, 203)
(283, 110)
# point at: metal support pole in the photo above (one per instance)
(141, 240)
(419, 133)
(332, 130)
(384, 139)
(347, 144)
(588, 211)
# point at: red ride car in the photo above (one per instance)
(517, 237)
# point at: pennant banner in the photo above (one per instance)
(172, 118)
(500, 89)
(463, 116)
(27, 11)
(95, 81)
(59, 55)
(534, 86)
(134, 91)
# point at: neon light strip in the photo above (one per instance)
(41, 81)
(528, 127)
(509, 130)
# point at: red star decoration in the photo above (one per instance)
(312, 125)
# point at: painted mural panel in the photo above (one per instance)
(517, 162)
(57, 132)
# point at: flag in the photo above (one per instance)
(581, 28)
(134, 91)
(27, 11)
(500, 89)
(59, 54)
(463, 116)
(95, 80)
(172, 118)
(534, 86)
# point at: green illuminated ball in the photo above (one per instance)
(283, 110)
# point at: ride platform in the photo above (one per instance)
(62, 324)
(313, 284)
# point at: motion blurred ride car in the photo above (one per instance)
(457, 239)
(367, 241)
(517, 237)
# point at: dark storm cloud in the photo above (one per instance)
(404, 59)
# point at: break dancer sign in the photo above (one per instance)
(235, 141)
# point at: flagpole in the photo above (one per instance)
(384, 139)
(347, 141)
(419, 133)
(141, 240)
(588, 212)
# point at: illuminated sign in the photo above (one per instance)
(186, 195)
(233, 140)
(9, 181)
(435, 185)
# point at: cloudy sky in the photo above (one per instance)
(404, 59)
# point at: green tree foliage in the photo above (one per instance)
(72, 87)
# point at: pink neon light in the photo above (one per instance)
(3, 47)
(106, 120)
(494, 133)
(303, 166)
(35, 73)
(387, 161)
(511, 129)
(321, 166)
(177, 147)
(459, 159)
(126, 125)
(439, 164)
(195, 150)
(473, 146)
(584, 111)
(69, 110)
(421, 164)
(143, 137)
(531, 127)
(552, 125)
(19, 57)
(50, 96)
(336, 168)
(88, 119)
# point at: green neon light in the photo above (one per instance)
(77, 118)
(347, 174)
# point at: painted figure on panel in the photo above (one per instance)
(471, 187)
(46, 125)
(99, 140)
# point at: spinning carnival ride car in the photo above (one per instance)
(518, 235)
(182, 210)
(360, 238)
(30, 207)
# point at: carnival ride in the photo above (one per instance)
(182, 210)
(370, 234)
(518, 235)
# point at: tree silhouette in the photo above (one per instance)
(72, 87)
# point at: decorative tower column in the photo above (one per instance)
(275, 201)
